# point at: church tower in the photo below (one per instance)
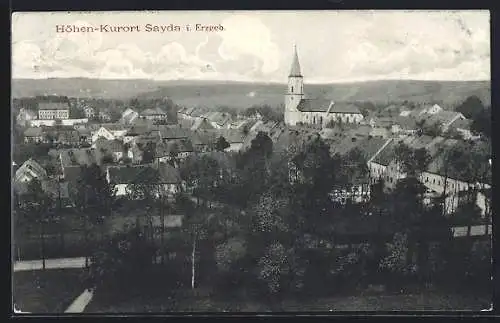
(295, 92)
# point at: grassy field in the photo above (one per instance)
(428, 301)
(49, 291)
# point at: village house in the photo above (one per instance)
(203, 141)
(177, 150)
(185, 113)
(437, 178)
(110, 131)
(201, 124)
(128, 116)
(35, 135)
(218, 120)
(463, 127)
(234, 137)
(84, 135)
(66, 136)
(89, 112)
(104, 116)
(73, 159)
(155, 114)
(28, 171)
(122, 178)
(109, 148)
(53, 110)
(24, 116)
(170, 132)
(135, 131)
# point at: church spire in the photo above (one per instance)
(295, 69)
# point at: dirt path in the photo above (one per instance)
(59, 263)
(79, 304)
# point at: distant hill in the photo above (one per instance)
(242, 95)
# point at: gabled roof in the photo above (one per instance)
(201, 124)
(53, 106)
(153, 111)
(173, 132)
(348, 108)
(203, 137)
(442, 117)
(314, 105)
(77, 157)
(137, 130)
(113, 126)
(180, 146)
(461, 124)
(109, 145)
(31, 167)
(232, 136)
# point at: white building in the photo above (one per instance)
(53, 110)
(299, 109)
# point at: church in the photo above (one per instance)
(299, 109)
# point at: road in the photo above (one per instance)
(59, 263)
(79, 304)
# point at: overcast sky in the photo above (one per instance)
(333, 46)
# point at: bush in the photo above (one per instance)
(125, 260)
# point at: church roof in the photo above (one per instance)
(295, 69)
(313, 105)
(344, 108)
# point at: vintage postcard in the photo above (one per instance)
(251, 161)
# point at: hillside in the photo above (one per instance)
(242, 95)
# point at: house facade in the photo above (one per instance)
(53, 110)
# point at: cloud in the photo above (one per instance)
(340, 47)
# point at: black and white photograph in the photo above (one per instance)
(251, 161)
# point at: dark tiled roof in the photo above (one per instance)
(314, 105)
(77, 157)
(461, 124)
(154, 111)
(113, 126)
(174, 132)
(164, 149)
(342, 107)
(232, 135)
(109, 145)
(53, 106)
(201, 124)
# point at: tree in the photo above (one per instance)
(397, 260)
(93, 197)
(37, 205)
(148, 154)
(221, 144)
(471, 107)
(481, 123)
(228, 254)
(276, 266)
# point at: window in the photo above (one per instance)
(434, 181)
(321, 120)
(439, 182)
(427, 179)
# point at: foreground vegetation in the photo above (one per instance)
(46, 291)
